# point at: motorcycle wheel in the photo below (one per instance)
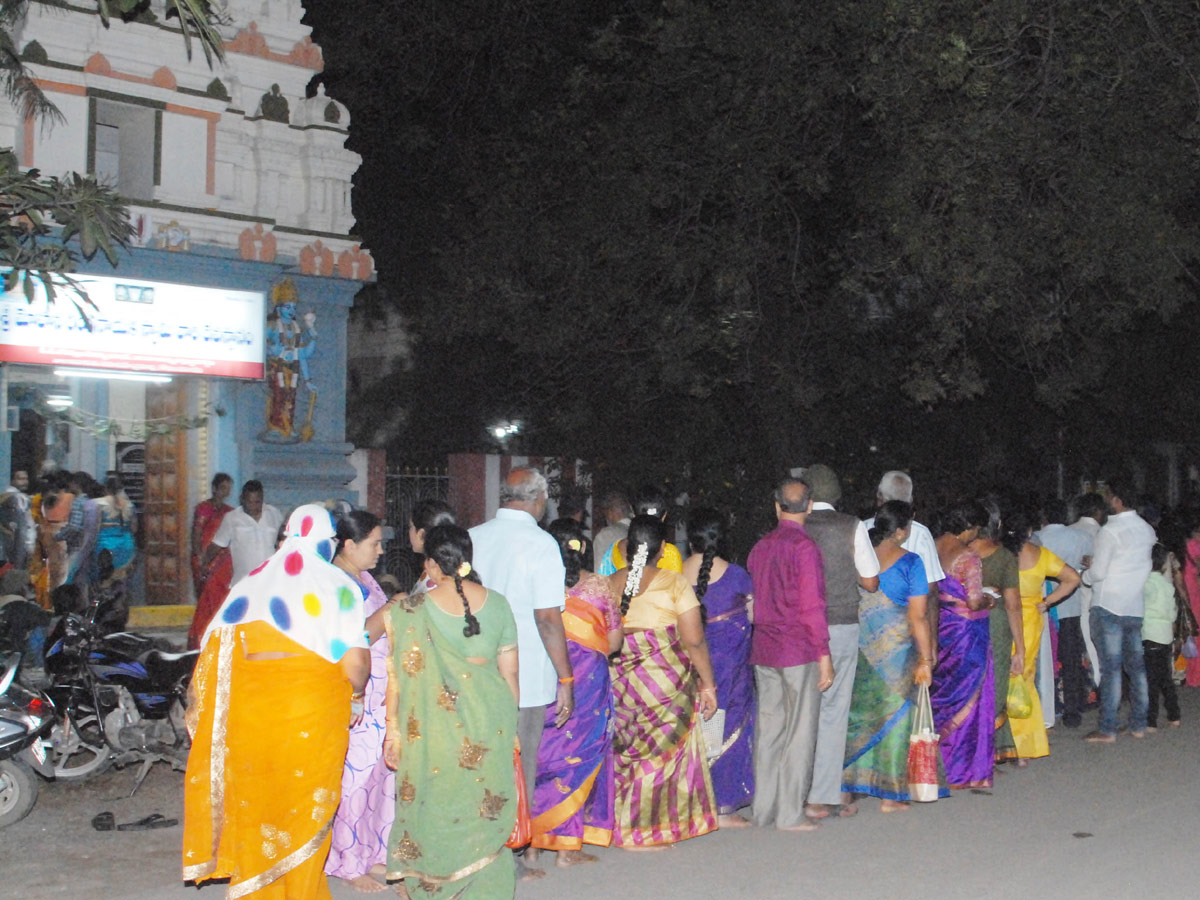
(18, 791)
(81, 751)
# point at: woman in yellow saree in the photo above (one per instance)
(451, 730)
(283, 664)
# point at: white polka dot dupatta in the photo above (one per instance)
(300, 592)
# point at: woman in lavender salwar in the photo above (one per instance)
(368, 803)
(727, 599)
(573, 796)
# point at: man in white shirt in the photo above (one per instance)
(248, 531)
(1071, 545)
(516, 558)
(1093, 513)
(897, 485)
(617, 513)
(16, 520)
(1120, 567)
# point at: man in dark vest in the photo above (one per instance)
(849, 562)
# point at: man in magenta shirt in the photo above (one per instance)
(790, 654)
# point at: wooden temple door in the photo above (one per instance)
(165, 521)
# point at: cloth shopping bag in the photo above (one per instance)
(923, 751)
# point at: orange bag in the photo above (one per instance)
(522, 832)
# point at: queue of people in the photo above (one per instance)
(514, 703)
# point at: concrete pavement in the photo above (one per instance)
(1093, 822)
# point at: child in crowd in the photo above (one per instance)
(1158, 625)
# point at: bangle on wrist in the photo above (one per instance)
(567, 680)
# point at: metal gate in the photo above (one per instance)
(405, 489)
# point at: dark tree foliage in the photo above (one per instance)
(709, 240)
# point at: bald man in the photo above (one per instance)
(515, 557)
(790, 654)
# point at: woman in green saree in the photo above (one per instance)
(451, 729)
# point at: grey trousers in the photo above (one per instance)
(789, 706)
(835, 714)
(531, 720)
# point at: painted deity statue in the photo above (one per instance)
(290, 346)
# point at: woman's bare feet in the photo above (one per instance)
(365, 884)
(649, 848)
(803, 826)
(891, 806)
(816, 811)
(733, 820)
(574, 858)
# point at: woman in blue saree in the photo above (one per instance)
(726, 597)
(963, 692)
(895, 654)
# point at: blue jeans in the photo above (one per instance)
(1118, 640)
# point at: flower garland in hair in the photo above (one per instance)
(635, 576)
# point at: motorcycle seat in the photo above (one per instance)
(165, 668)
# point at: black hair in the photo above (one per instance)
(706, 528)
(429, 514)
(643, 530)
(651, 501)
(1158, 555)
(113, 484)
(253, 486)
(450, 546)
(962, 515)
(1054, 511)
(94, 489)
(356, 525)
(890, 518)
(1092, 505)
(1018, 526)
(564, 531)
(1117, 487)
(219, 479)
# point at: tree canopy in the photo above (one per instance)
(710, 240)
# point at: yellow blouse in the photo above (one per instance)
(667, 597)
(671, 560)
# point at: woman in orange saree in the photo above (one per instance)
(274, 692)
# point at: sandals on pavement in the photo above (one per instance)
(154, 820)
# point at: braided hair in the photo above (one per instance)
(644, 542)
(449, 546)
(571, 541)
(706, 528)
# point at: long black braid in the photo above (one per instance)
(450, 547)
(472, 627)
(643, 544)
(706, 527)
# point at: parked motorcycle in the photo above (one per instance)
(120, 699)
(26, 718)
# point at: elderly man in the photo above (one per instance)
(617, 513)
(896, 485)
(790, 654)
(1120, 567)
(849, 562)
(515, 557)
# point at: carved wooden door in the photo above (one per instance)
(165, 525)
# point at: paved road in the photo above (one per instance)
(1092, 822)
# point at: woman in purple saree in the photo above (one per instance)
(726, 596)
(963, 692)
(573, 794)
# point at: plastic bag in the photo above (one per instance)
(1020, 701)
(923, 751)
(1189, 650)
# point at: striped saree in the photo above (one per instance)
(573, 796)
(664, 792)
(265, 769)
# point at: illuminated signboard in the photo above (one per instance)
(137, 326)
